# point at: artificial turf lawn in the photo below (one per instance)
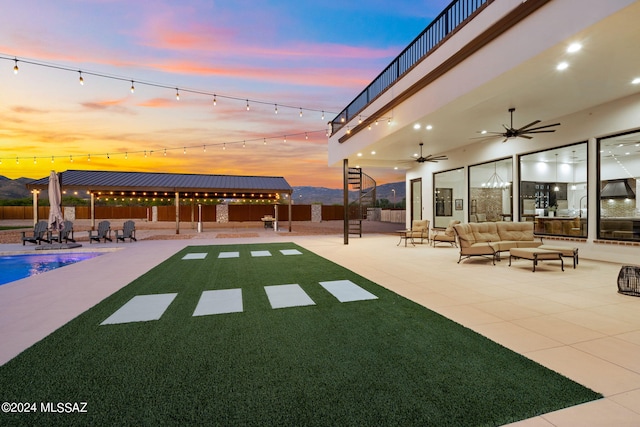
(379, 362)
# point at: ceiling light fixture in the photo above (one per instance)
(574, 47)
(562, 66)
(635, 81)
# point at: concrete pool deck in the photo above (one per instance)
(573, 322)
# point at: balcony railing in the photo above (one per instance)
(458, 13)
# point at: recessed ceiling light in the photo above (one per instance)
(635, 81)
(416, 126)
(373, 153)
(395, 168)
(562, 66)
(359, 154)
(429, 127)
(483, 132)
(574, 47)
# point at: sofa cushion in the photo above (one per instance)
(479, 249)
(485, 232)
(465, 234)
(517, 231)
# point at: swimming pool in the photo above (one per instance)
(15, 267)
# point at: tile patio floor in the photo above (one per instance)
(573, 322)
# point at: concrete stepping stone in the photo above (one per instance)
(282, 296)
(141, 308)
(347, 291)
(220, 301)
(229, 255)
(260, 253)
(195, 255)
(290, 252)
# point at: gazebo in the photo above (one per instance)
(128, 184)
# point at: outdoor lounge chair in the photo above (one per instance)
(66, 234)
(103, 232)
(419, 230)
(448, 235)
(128, 232)
(40, 234)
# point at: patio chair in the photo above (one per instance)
(65, 234)
(40, 234)
(128, 232)
(103, 232)
(448, 235)
(419, 230)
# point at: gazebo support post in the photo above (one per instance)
(92, 208)
(177, 212)
(290, 210)
(35, 206)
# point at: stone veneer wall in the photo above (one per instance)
(222, 213)
(316, 213)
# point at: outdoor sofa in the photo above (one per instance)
(489, 239)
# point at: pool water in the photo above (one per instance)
(15, 267)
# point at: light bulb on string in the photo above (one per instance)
(306, 136)
(108, 157)
(165, 152)
(214, 100)
(145, 154)
(34, 160)
(247, 105)
(126, 155)
(51, 159)
(244, 144)
(276, 110)
(184, 150)
(81, 79)
(88, 157)
(204, 148)
(224, 145)
(15, 67)
(300, 112)
(17, 160)
(264, 141)
(322, 114)
(177, 95)
(71, 158)
(133, 89)
(285, 139)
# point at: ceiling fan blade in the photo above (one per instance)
(437, 158)
(524, 136)
(535, 122)
(540, 131)
(543, 127)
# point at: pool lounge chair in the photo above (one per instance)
(103, 232)
(128, 232)
(40, 234)
(66, 234)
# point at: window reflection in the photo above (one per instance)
(447, 186)
(490, 191)
(619, 159)
(553, 190)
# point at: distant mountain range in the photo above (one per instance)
(16, 189)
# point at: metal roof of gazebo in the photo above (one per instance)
(227, 186)
(106, 183)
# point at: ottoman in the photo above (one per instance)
(535, 255)
(567, 251)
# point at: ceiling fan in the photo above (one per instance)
(429, 158)
(524, 131)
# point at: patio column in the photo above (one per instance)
(177, 212)
(35, 206)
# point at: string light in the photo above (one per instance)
(301, 112)
(148, 153)
(177, 95)
(276, 111)
(204, 148)
(247, 105)
(135, 82)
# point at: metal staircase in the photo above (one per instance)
(362, 188)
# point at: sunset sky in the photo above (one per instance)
(314, 56)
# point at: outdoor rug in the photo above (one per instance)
(232, 358)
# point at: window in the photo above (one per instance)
(553, 190)
(447, 186)
(490, 191)
(619, 176)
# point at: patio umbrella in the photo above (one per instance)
(56, 221)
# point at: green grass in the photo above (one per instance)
(380, 362)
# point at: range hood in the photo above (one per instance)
(617, 189)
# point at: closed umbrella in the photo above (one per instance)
(56, 221)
